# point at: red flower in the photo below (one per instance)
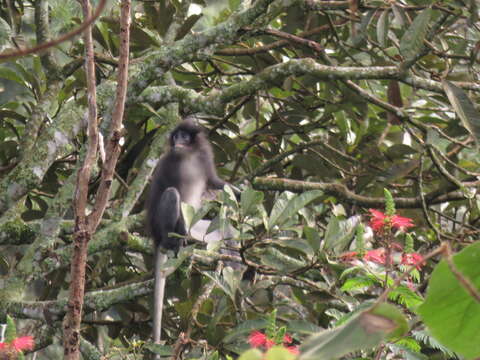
(3, 346)
(401, 222)
(380, 221)
(287, 339)
(377, 222)
(257, 339)
(413, 259)
(23, 343)
(376, 256)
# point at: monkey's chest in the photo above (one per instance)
(194, 182)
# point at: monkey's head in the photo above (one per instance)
(186, 137)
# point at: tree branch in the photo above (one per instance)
(113, 146)
(344, 194)
(83, 233)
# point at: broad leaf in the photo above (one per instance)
(412, 41)
(364, 331)
(448, 302)
(9, 74)
(276, 259)
(382, 28)
(284, 210)
(250, 200)
(244, 328)
(173, 263)
(339, 233)
(5, 32)
(159, 349)
(464, 108)
(279, 353)
(252, 354)
(304, 327)
(223, 284)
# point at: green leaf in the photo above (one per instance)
(403, 295)
(252, 354)
(339, 233)
(464, 108)
(173, 263)
(359, 38)
(313, 237)
(357, 283)
(244, 328)
(159, 349)
(399, 15)
(199, 214)
(382, 28)
(234, 4)
(5, 32)
(188, 212)
(399, 171)
(250, 200)
(279, 353)
(276, 259)
(412, 40)
(228, 287)
(228, 197)
(425, 337)
(9, 74)
(304, 327)
(448, 302)
(298, 245)
(29, 76)
(409, 343)
(232, 278)
(364, 331)
(11, 331)
(271, 327)
(284, 209)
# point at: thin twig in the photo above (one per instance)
(113, 145)
(82, 234)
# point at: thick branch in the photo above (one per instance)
(52, 143)
(344, 194)
(200, 45)
(274, 75)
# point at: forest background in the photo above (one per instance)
(351, 128)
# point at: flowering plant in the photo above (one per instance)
(258, 339)
(12, 347)
(389, 252)
(273, 336)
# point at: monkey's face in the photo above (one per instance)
(182, 141)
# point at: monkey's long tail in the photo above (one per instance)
(159, 292)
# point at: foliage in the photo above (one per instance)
(318, 111)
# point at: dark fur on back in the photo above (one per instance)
(173, 170)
